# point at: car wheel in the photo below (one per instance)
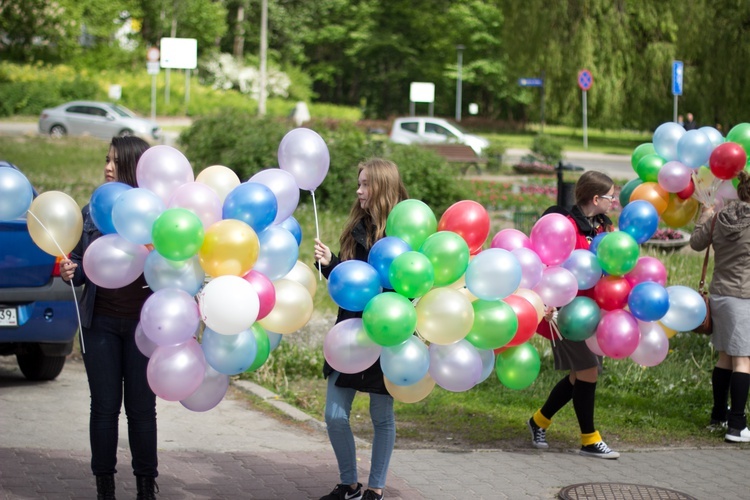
(58, 131)
(35, 365)
(125, 133)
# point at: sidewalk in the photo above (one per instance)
(235, 452)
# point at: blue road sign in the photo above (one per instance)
(585, 80)
(677, 77)
(531, 82)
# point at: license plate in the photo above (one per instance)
(8, 316)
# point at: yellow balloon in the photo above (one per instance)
(668, 331)
(535, 300)
(219, 178)
(679, 212)
(293, 308)
(55, 222)
(444, 316)
(304, 275)
(230, 247)
(411, 393)
(465, 291)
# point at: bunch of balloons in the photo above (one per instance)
(681, 169)
(220, 255)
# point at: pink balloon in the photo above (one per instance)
(200, 199)
(143, 343)
(304, 154)
(265, 289)
(531, 267)
(284, 187)
(653, 345)
(111, 261)
(170, 316)
(209, 393)
(162, 169)
(618, 334)
(558, 286)
(509, 239)
(553, 238)
(592, 344)
(674, 176)
(726, 191)
(176, 371)
(348, 348)
(647, 269)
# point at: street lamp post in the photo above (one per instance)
(460, 51)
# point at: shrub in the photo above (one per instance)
(494, 154)
(548, 148)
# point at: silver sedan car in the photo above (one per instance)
(99, 119)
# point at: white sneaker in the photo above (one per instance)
(737, 436)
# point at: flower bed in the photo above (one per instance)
(668, 239)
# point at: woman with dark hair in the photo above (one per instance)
(379, 190)
(594, 194)
(115, 368)
(730, 308)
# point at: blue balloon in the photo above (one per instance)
(352, 284)
(648, 301)
(252, 203)
(382, 254)
(229, 354)
(666, 137)
(406, 363)
(687, 310)
(595, 242)
(102, 201)
(278, 253)
(694, 148)
(488, 363)
(16, 193)
(134, 213)
(160, 272)
(291, 225)
(640, 220)
(713, 135)
(274, 339)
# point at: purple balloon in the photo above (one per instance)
(162, 169)
(176, 371)
(283, 186)
(200, 199)
(653, 345)
(675, 176)
(557, 287)
(585, 267)
(111, 261)
(617, 334)
(143, 343)
(510, 239)
(209, 393)
(170, 316)
(348, 348)
(304, 154)
(455, 367)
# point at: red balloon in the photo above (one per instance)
(727, 160)
(469, 220)
(527, 319)
(611, 292)
(687, 192)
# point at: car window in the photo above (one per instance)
(93, 110)
(124, 112)
(78, 109)
(410, 126)
(434, 128)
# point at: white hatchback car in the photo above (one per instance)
(426, 129)
(99, 119)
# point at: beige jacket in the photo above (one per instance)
(731, 242)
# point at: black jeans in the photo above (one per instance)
(113, 363)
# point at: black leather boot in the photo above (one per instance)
(105, 487)
(146, 486)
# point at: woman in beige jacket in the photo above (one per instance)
(730, 308)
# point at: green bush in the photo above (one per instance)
(548, 148)
(494, 154)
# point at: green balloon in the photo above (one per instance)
(449, 255)
(518, 367)
(578, 320)
(639, 152)
(264, 347)
(740, 134)
(627, 190)
(495, 324)
(177, 234)
(411, 274)
(412, 221)
(389, 319)
(617, 253)
(648, 167)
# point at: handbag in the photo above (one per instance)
(706, 328)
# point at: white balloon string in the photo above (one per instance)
(317, 231)
(554, 330)
(72, 287)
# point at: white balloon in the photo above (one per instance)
(228, 304)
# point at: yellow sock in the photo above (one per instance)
(587, 439)
(541, 420)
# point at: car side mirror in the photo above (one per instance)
(110, 117)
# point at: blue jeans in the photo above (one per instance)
(113, 363)
(338, 408)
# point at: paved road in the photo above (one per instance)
(237, 452)
(28, 128)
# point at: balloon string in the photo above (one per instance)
(72, 287)
(317, 230)
(554, 329)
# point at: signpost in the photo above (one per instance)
(535, 82)
(421, 92)
(180, 53)
(585, 81)
(152, 66)
(677, 72)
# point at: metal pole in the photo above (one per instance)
(263, 50)
(585, 122)
(674, 113)
(459, 49)
(153, 97)
(187, 89)
(542, 117)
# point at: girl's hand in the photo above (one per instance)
(67, 269)
(322, 253)
(550, 314)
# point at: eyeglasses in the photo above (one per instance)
(608, 197)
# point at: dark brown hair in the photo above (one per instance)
(129, 150)
(590, 184)
(743, 187)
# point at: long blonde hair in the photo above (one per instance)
(386, 189)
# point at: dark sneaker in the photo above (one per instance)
(737, 435)
(344, 492)
(716, 425)
(599, 450)
(371, 495)
(538, 435)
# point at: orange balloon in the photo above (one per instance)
(679, 212)
(230, 247)
(653, 193)
(411, 393)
